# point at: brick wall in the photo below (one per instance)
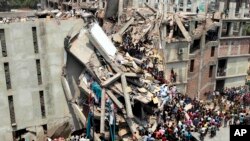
(223, 48)
(207, 83)
(238, 47)
(234, 50)
(244, 46)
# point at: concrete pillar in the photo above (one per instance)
(184, 5)
(232, 8)
(231, 29)
(221, 6)
(191, 26)
(165, 4)
(241, 28)
(135, 3)
(161, 8)
(242, 10)
(120, 10)
(202, 44)
(101, 4)
(43, 4)
(164, 32)
(78, 4)
(152, 3)
(194, 6)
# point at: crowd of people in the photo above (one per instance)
(234, 94)
(179, 115)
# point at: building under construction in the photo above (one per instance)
(48, 64)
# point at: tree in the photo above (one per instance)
(248, 29)
(4, 6)
(23, 3)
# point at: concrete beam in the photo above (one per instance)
(79, 113)
(126, 97)
(182, 28)
(102, 121)
(66, 88)
(111, 80)
(140, 15)
(131, 75)
(115, 100)
(126, 25)
(120, 10)
(152, 9)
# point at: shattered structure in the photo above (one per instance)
(118, 56)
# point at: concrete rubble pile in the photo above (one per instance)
(123, 69)
(126, 68)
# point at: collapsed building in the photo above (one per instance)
(141, 45)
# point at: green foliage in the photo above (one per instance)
(248, 29)
(23, 3)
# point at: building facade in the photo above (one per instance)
(219, 53)
(31, 95)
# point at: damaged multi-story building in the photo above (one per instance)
(205, 44)
(217, 55)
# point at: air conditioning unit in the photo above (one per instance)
(180, 51)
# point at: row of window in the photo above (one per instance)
(8, 79)
(7, 74)
(12, 109)
(3, 41)
(211, 67)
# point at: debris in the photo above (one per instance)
(102, 39)
(126, 97)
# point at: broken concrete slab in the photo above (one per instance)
(102, 39)
(81, 47)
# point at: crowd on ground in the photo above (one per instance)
(234, 94)
(179, 115)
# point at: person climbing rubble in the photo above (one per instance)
(96, 89)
